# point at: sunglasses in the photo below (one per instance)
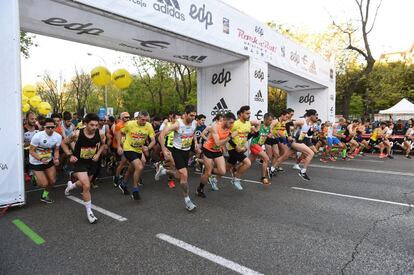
(127, 117)
(102, 120)
(50, 127)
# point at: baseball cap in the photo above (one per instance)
(136, 114)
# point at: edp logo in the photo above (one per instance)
(259, 30)
(201, 15)
(79, 27)
(259, 74)
(222, 77)
(307, 99)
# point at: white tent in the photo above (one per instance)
(402, 107)
(403, 110)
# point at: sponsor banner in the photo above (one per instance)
(70, 23)
(11, 136)
(258, 98)
(220, 25)
(222, 89)
(301, 101)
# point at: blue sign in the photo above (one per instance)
(102, 112)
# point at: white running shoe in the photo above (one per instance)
(91, 217)
(68, 188)
(213, 182)
(189, 205)
(236, 184)
(160, 172)
(297, 167)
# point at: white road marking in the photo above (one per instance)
(352, 197)
(207, 255)
(386, 172)
(100, 209)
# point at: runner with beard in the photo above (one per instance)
(213, 159)
(89, 144)
(184, 136)
(237, 146)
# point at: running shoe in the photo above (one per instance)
(68, 188)
(94, 185)
(213, 182)
(408, 157)
(123, 188)
(382, 156)
(135, 196)
(296, 167)
(269, 172)
(190, 206)
(304, 176)
(140, 182)
(280, 169)
(171, 184)
(92, 219)
(332, 159)
(323, 160)
(236, 184)
(390, 157)
(200, 193)
(115, 181)
(160, 172)
(46, 200)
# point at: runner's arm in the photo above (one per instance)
(68, 140)
(164, 133)
(205, 132)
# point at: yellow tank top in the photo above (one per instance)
(280, 129)
(243, 129)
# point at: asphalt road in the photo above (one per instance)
(361, 224)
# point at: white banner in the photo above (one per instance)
(222, 89)
(11, 136)
(211, 22)
(258, 95)
(304, 100)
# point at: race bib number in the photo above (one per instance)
(138, 140)
(186, 142)
(262, 139)
(44, 153)
(87, 152)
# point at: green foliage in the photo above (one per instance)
(26, 41)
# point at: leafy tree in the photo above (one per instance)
(26, 42)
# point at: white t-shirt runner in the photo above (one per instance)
(44, 146)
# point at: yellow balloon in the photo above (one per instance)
(29, 91)
(35, 101)
(122, 79)
(100, 76)
(25, 107)
(44, 108)
(25, 99)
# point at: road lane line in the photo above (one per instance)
(352, 197)
(207, 255)
(28, 232)
(387, 172)
(99, 209)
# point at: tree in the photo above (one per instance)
(185, 80)
(277, 100)
(81, 88)
(26, 41)
(50, 92)
(366, 26)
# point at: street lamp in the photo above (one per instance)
(106, 86)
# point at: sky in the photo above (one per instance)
(393, 32)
